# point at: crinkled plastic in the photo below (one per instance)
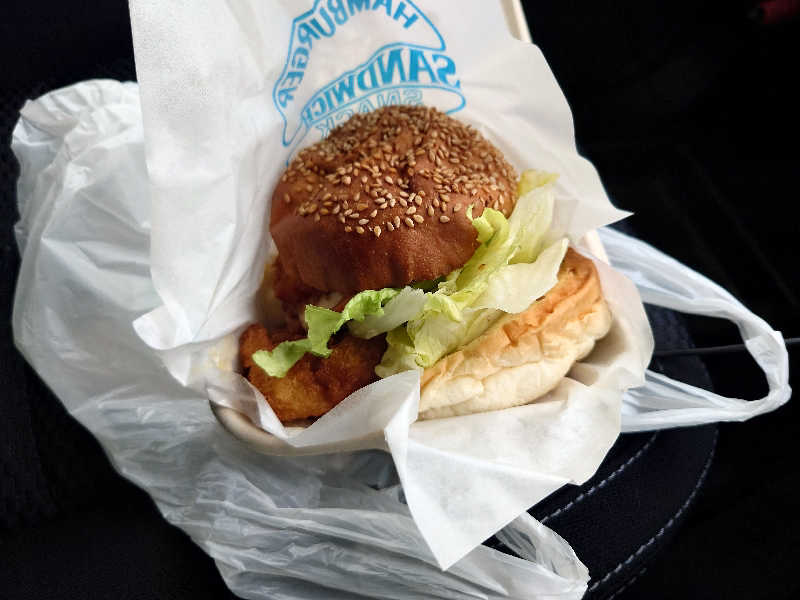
(663, 402)
(332, 526)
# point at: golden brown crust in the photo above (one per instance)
(382, 201)
(313, 385)
(522, 357)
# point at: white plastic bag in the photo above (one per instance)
(326, 526)
(663, 402)
(332, 526)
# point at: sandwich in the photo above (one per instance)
(405, 241)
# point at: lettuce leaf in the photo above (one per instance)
(514, 265)
(400, 309)
(322, 324)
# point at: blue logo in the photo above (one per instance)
(414, 69)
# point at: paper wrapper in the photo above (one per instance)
(219, 127)
(229, 93)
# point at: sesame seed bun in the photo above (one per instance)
(382, 201)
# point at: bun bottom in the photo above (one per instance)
(522, 357)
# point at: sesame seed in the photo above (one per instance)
(388, 180)
(309, 188)
(327, 195)
(377, 231)
(444, 219)
(324, 211)
(419, 218)
(336, 209)
(364, 179)
(346, 179)
(456, 208)
(392, 202)
(363, 221)
(361, 206)
(430, 211)
(374, 213)
(397, 221)
(348, 211)
(354, 215)
(389, 226)
(411, 210)
(359, 230)
(286, 198)
(418, 201)
(409, 222)
(348, 229)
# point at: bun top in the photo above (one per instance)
(382, 201)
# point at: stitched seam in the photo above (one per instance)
(583, 495)
(628, 584)
(668, 524)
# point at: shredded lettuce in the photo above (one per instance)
(322, 324)
(400, 309)
(514, 265)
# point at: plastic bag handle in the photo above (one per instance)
(664, 402)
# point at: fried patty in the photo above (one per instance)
(313, 385)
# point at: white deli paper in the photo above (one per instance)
(229, 93)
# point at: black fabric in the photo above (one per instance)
(644, 82)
